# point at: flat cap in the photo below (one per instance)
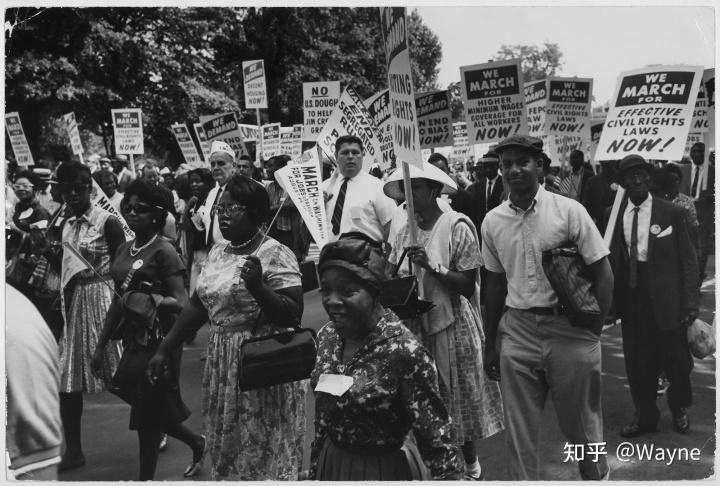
(520, 141)
(631, 162)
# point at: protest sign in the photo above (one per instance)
(254, 84)
(186, 144)
(536, 98)
(596, 127)
(297, 139)
(249, 132)
(270, 142)
(700, 122)
(650, 113)
(709, 85)
(434, 119)
(319, 100)
(73, 132)
(302, 181)
(494, 100)
(99, 198)
(692, 139)
(20, 147)
(378, 106)
(568, 106)
(128, 130)
(461, 148)
(406, 139)
(286, 141)
(224, 127)
(202, 138)
(351, 118)
(558, 147)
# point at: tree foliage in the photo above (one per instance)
(177, 64)
(537, 62)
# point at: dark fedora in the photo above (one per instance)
(631, 162)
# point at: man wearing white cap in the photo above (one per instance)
(355, 202)
(222, 159)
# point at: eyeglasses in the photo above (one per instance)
(78, 187)
(139, 208)
(23, 186)
(231, 209)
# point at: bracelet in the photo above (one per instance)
(438, 268)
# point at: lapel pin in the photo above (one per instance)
(655, 229)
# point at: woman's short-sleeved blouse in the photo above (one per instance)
(223, 292)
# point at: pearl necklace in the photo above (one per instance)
(242, 245)
(134, 250)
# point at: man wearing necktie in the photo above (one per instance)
(702, 190)
(488, 188)
(354, 200)
(222, 159)
(656, 296)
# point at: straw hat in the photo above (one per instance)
(394, 184)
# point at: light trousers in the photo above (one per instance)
(544, 355)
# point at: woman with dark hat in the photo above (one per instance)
(448, 256)
(374, 382)
(151, 264)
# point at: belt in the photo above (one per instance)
(368, 450)
(544, 311)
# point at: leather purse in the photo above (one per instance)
(400, 295)
(572, 281)
(282, 357)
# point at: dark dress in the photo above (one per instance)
(159, 405)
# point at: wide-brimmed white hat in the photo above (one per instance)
(394, 184)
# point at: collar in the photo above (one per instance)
(646, 204)
(537, 199)
(494, 178)
(384, 330)
(85, 216)
(33, 203)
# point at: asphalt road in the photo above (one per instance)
(111, 449)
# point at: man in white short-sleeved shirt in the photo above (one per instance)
(539, 352)
(354, 200)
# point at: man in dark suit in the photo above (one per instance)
(600, 191)
(488, 188)
(702, 190)
(656, 296)
(461, 200)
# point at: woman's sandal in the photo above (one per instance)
(194, 467)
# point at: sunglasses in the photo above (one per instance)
(139, 208)
(230, 210)
(23, 186)
(78, 187)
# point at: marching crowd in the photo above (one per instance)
(398, 395)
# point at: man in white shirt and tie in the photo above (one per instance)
(656, 296)
(354, 200)
(222, 160)
(702, 190)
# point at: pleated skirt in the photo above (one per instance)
(338, 464)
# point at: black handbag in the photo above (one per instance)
(572, 281)
(278, 358)
(400, 295)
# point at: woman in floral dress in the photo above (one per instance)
(448, 256)
(258, 434)
(378, 410)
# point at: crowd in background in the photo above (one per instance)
(204, 251)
